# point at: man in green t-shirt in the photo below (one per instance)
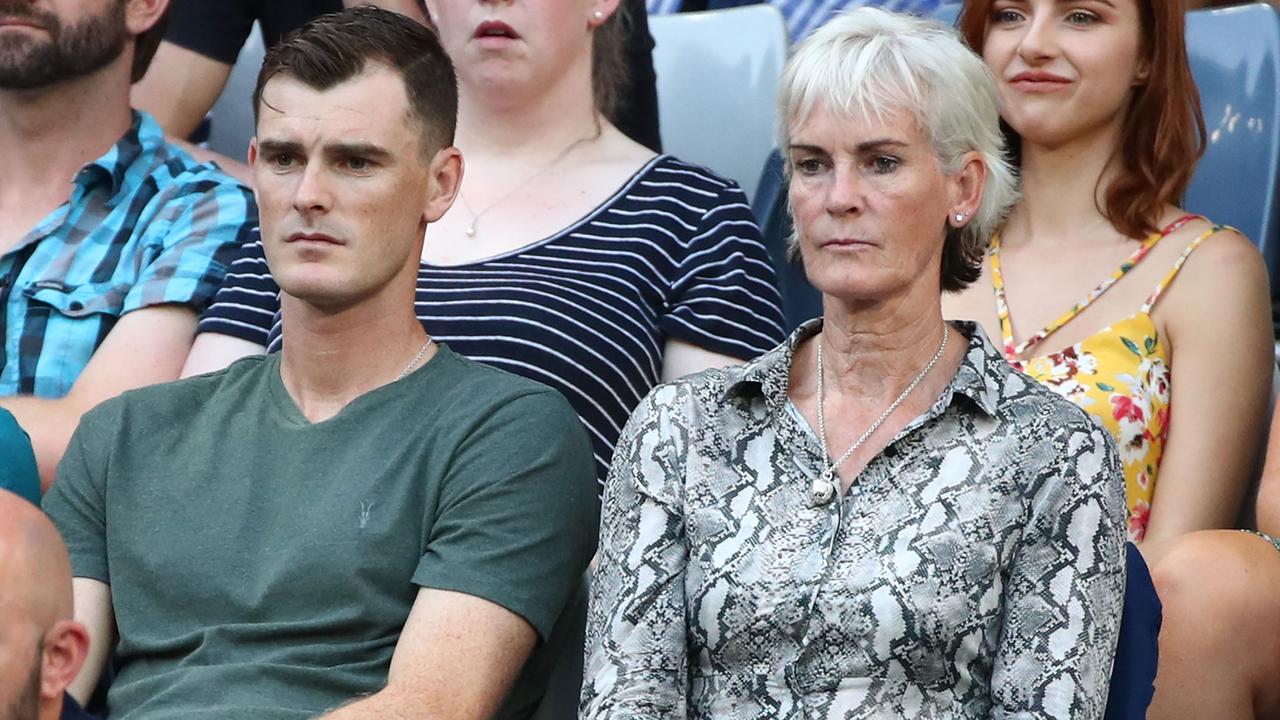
(364, 525)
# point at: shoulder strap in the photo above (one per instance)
(1177, 266)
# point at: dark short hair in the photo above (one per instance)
(146, 44)
(336, 47)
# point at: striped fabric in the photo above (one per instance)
(145, 225)
(675, 253)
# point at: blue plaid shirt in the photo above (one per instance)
(146, 225)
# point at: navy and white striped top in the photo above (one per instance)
(674, 253)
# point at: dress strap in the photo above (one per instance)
(1013, 351)
(1177, 265)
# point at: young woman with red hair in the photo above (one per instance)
(1102, 288)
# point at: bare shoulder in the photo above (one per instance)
(619, 151)
(1222, 288)
(1224, 257)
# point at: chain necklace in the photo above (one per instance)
(407, 368)
(824, 486)
(475, 216)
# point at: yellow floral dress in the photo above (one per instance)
(1119, 375)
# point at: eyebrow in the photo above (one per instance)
(368, 150)
(861, 147)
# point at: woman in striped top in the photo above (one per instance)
(573, 256)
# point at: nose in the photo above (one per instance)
(312, 193)
(1040, 39)
(844, 194)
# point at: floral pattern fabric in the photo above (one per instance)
(1119, 375)
(973, 571)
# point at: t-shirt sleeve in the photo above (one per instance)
(215, 29)
(517, 518)
(725, 294)
(248, 302)
(77, 501)
(18, 472)
(190, 242)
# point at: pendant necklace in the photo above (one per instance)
(824, 486)
(475, 216)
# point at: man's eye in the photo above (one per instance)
(282, 160)
(358, 164)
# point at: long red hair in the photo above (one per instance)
(1163, 135)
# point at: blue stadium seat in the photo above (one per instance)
(1235, 57)
(799, 300)
(717, 80)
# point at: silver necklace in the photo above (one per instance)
(824, 486)
(475, 216)
(407, 368)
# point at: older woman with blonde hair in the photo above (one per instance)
(879, 517)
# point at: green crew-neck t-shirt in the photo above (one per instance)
(262, 566)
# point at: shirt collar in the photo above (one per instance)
(144, 138)
(981, 376)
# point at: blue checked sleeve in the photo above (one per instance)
(189, 243)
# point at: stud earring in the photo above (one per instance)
(597, 15)
(960, 217)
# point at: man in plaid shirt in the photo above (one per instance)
(111, 240)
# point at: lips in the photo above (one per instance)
(495, 29)
(313, 238)
(19, 22)
(1033, 81)
(847, 243)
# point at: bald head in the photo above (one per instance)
(33, 560)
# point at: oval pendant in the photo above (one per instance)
(471, 231)
(822, 490)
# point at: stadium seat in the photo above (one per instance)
(717, 81)
(1235, 57)
(799, 300)
(232, 115)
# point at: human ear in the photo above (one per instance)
(601, 10)
(142, 15)
(966, 189)
(446, 177)
(66, 646)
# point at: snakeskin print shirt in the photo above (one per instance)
(975, 569)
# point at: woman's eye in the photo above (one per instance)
(1081, 17)
(1006, 15)
(884, 164)
(808, 166)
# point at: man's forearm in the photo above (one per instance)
(389, 704)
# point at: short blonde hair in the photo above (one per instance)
(869, 63)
